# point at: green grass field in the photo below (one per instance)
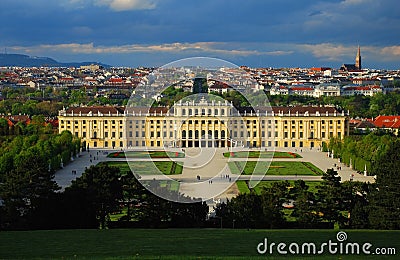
(261, 154)
(177, 243)
(146, 154)
(273, 168)
(243, 188)
(149, 167)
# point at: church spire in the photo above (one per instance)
(358, 59)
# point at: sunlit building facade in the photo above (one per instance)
(203, 124)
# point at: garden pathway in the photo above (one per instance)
(211, 167)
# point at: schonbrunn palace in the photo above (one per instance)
(204, 123)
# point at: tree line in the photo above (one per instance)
(358, 105)
(89, 202)
(20, 101)
(30, 199)
(27, 165)
(346, 204)
(49, 101)
(361, 151)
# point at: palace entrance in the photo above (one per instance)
(218, 143)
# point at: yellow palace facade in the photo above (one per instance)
(203, 124)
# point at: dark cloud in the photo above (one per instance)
(241, 23)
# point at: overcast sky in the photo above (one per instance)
(257, 33)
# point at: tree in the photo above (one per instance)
(358, 203)
(16, 108)
(385, 198)
(331, 199)
(304, 204)
(3, 127)
(102, 187)
(24, 187)
(247, 210)
(272, 203)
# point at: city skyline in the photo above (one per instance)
(152, 33)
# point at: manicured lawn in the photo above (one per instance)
(146, 154)
(243, 188)
(261, 154)
(170, 185)
(177, 243)
(273, 168)
(148, 167)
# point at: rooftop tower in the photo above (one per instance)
(358, 58)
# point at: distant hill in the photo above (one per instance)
(20, 60)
